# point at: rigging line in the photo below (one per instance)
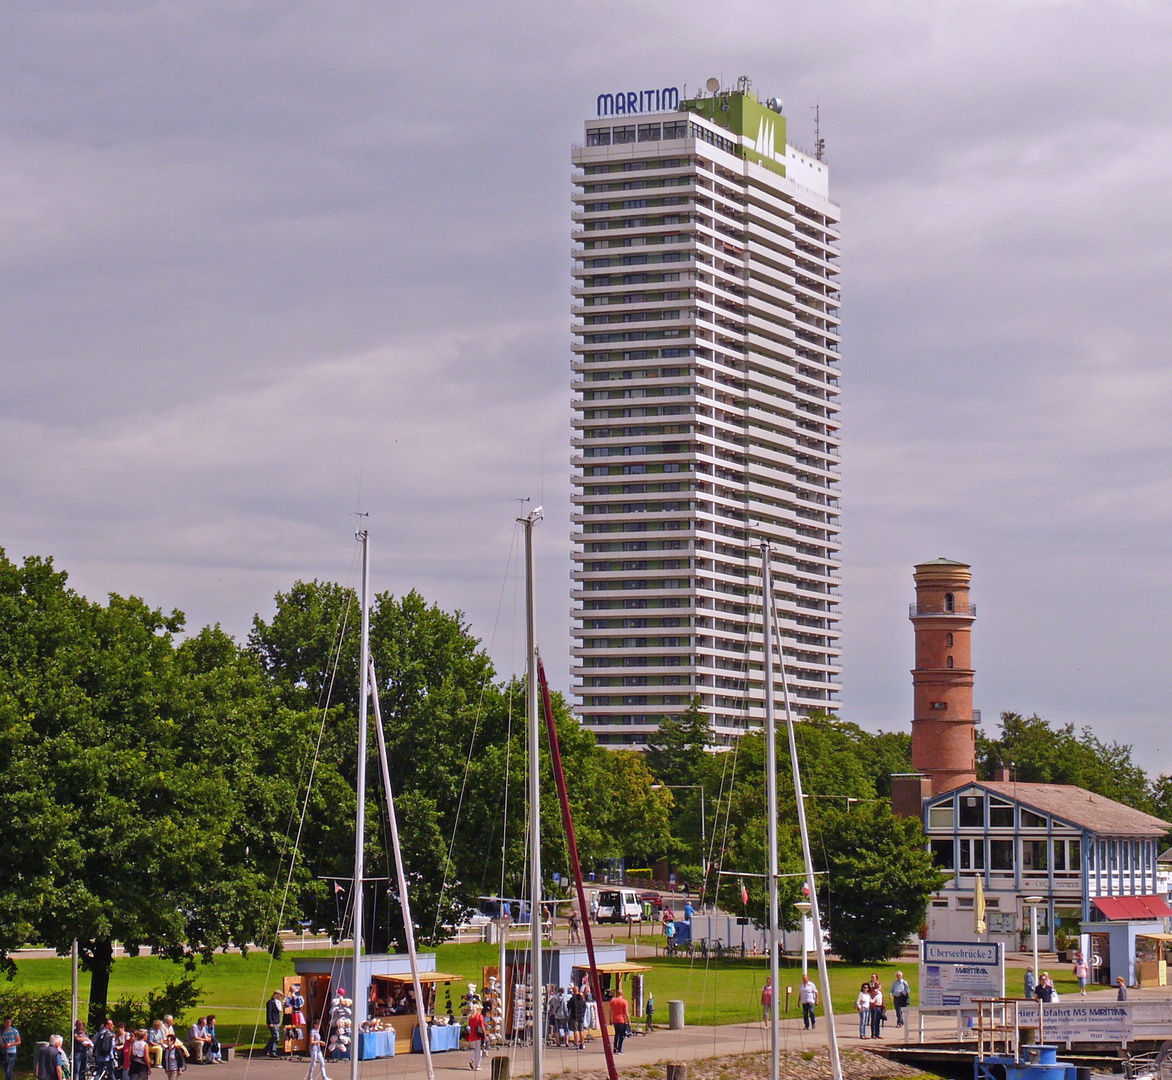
(475, 729)
(304, 811)
(327, 690)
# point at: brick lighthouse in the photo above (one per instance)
(943, 734)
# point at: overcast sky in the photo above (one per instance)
(262, 263)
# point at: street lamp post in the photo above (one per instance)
(1033, 902)
(804, 907)
(703, 828)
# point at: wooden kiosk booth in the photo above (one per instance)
(381, 996)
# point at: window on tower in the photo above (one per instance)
(949, 599)
(948, 640)
(948, 662)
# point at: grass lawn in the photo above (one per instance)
(236, 988)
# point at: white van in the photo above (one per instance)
(619, 905)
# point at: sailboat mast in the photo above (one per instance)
(771, 810)
(823, 972)
(360, 816)
(534, 798)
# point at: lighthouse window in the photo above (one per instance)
(949, 602)
(948, 640)
(948, 662)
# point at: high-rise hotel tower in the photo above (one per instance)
(705, 382)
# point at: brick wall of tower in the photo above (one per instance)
(943, 733)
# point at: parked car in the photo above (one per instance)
(619, 906)
(652, 898)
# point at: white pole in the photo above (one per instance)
(404, 900)
(771, 813)
(1034, 934)
(819, 944)
(360, 995)
(534, 801)
(73, 1012)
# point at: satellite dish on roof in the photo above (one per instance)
(774, 104)
(712, 85)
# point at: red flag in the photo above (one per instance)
(805, 890)
(744, 895)
(337, 887)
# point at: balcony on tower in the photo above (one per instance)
(938, 607)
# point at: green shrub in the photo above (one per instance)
(37, 1014)
(174, 999)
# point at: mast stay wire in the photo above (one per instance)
(324, 707)
(823, 967)
(475, 729)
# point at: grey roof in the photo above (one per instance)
(942, 561)
(1081, 807)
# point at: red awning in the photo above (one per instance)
(1132, 908)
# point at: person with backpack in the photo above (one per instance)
(105, 1052)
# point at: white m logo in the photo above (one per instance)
(764, 141)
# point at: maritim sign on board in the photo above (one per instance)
(626, 102)
(956, 973)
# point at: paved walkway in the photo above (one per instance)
(662, 1045)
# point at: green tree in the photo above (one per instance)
(129, 778)
(879, 880)
(1040, 754)
(678, 754)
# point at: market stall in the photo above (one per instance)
(611, 975)
(393, 1008)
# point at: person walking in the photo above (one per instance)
(10, 1043)
(808, 999)
(106, 1052)
(174, 1057)
(140, 1061)
(650, 1011)
(576, 1009)
(1082, 972)
(1044, 991)
(620, 1018)
(82, 1045)
(317, 1057)
(575, 938)
(901, 995)
(1121, 993)
(47, 1064)
(1028, 982)
(274, 1011)
(476, 1033)
(878, 1012)
(767, 999)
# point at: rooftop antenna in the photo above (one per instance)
(819, 142)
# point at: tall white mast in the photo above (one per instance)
(401, 877)
(771, 810)
(534, 797)
(823, 974)
(360, 816)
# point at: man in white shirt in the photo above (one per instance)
(807, 998)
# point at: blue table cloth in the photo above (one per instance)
(440, 1038)
(376, 1044)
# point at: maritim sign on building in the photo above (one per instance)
(626, 102)
(956, 973)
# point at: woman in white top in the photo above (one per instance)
(863, 1008)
